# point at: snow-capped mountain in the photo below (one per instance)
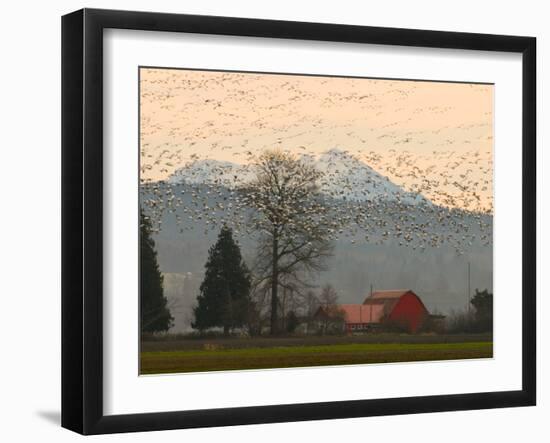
(344, 177)
(212, 172)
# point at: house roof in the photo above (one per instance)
(355, 313)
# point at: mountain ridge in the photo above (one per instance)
(344, 177)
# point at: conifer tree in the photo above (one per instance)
(155, 315)
(225, 291)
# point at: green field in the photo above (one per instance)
(219, 358)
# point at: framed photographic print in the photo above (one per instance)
(269, 221)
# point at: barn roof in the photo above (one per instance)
(355, 313)
(393, 293)
(386, 299)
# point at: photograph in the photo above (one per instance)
(301, 220)
(252, 222)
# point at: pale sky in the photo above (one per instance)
(445, 129)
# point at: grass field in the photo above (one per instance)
(215, 357)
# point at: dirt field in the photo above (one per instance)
(197, 355)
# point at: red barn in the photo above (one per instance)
(401, 307)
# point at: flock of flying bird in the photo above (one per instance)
(419, 198)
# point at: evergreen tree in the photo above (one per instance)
(482, 301)
(225, 291)
(155, 315)
(292, 322)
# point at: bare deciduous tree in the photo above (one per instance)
(291, 218)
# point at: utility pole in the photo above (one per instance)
(371, 289)
(469, 289)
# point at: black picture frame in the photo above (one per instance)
(82, 218)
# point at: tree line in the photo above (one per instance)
(227, 297)
(231, 298)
